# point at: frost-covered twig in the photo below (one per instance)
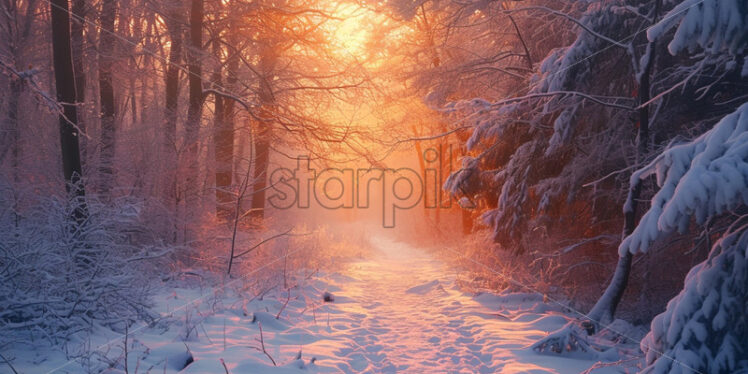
(288, 298)
(225, 368)
(570, 248)
(598, 99)
(261, 243)
(52, 105)
(262, 343)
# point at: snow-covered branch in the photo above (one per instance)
(702, 178)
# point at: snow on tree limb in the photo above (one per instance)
(713, 25)
(703, 178)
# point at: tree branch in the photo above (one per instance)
(262, 242)
(570, 18)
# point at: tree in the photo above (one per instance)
(223, 138)
(77, 28)
(605, 308)
(528, 152)
(106, 95)
(454, 50)
(18, 30)
(711, 27)
(704, 326)
(68, 117)
(224, 109)
(533, 152)
(195, 108)
(263, 133)
(173, 20)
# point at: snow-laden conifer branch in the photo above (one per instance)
(703, 327)
(702, 178)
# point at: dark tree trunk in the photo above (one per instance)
(106, 96)
(171, 107)
(263, 136)
(604, 310)
(16, 87)
(194, 111)
(68, 119)
(78, 46)
(223, 136)
(172, 89)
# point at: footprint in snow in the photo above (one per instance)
(426, 288)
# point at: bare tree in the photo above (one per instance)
(195, 108)
(17, 25)
(77, 28)
(106, 95)
(68, 118)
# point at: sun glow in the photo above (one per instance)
(351, 33)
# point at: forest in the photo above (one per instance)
(373, 186)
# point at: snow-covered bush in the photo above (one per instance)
(58, 278)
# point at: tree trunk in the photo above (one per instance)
(223, 138)
(78, 46)
(172, 89)
(68, 119)
(194, 111)
(17, 38)
(263, 135)
(604, 310)
(106, 97)
(261, 163)
(239, 156)
(16, 87)
(171, 107)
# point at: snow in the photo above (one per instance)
(399, 310)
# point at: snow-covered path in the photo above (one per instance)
(396, 311)
(400, 311)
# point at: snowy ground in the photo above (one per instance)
(398, 311)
